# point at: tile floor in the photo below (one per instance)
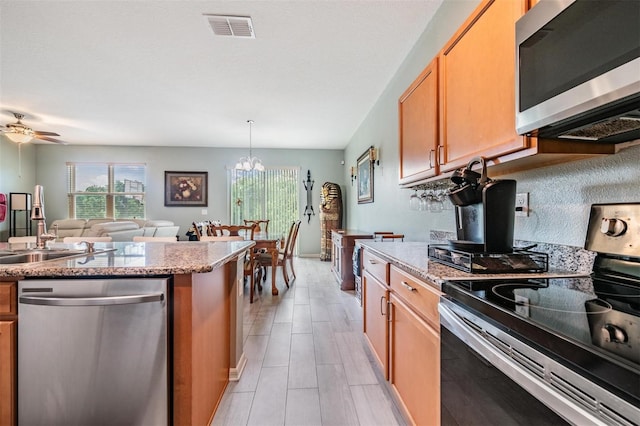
(307, 363)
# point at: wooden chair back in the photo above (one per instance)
(292, 236)
(222, 238)
(232, 230)
(263, 224)
(201, 228)
(392, 237)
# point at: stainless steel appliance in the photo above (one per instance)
(485, 210)
(578, 70)
(568, 345)
(92, 352)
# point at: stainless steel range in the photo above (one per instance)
(572, 345)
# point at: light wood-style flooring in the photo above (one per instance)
(308, 363)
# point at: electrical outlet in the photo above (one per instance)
(203, 212)
(522, 204)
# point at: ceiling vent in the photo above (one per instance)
(231, 26)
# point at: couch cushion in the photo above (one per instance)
(166, 231)
(103, 229)
(68, 227)
(158, 223)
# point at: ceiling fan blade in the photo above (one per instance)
(39, 133)
(44, 138)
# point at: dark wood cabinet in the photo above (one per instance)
(342, 243)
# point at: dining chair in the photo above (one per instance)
(200, 228)
(377, 235)
(139, 238)
(263, 224)
(237, 232)
(232, 230)
(285, 255)
(89, 239)
(392, 237)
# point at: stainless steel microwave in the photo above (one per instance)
(578, 70)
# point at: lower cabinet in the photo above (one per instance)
(402, 327)
(8, 353)
(376, 330)
(414, 364)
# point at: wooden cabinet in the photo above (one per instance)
(414, 346)
(477, 86)
(414, 364)
(474, 105)
(342, 243)
(8, 352)
(418, 114)
(402, 328)
(375, 278)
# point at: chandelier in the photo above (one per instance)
(250, 163)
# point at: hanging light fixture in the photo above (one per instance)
(250, 163)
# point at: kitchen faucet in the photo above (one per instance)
(37, 213)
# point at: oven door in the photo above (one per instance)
(489, 377)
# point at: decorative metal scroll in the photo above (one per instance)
(308, 185)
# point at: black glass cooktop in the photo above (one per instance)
(588, 325)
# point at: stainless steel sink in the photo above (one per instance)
(33, 256)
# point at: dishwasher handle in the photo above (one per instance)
(92, 301)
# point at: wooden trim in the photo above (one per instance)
(8, 377)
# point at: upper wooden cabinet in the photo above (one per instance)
(477, 86)
(463, 105)
(418, 112)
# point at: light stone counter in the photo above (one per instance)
(134, 259)
(413, 258)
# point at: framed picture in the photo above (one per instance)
(365, 178)
(185, 189)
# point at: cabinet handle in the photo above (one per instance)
(407, 286)
(373, 262)
(440, 149)
(382, 299)
(431, 153)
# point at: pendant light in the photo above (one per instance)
(250, 163)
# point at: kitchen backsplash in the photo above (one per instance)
(568, 258)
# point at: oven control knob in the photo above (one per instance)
(613, 227)
(614, 334)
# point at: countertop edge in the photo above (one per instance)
(62, 268)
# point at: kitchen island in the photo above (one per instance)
(204, 305)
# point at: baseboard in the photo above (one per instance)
(236, 372)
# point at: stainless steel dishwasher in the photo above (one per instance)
(92, 352)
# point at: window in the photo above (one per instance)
(272, 194)
(100, 190)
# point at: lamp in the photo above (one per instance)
(19, 134)
(250, 163)
(373, 156)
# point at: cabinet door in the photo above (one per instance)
(418, 113)
(477, 86)
(376, 330)
(415, 364)
(8, 372)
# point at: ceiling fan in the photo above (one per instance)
(20, 133)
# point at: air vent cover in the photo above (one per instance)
(231, 26)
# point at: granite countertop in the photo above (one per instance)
(413, 258)
(133, 259)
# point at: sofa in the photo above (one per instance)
(117, 229)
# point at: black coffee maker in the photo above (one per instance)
(485, 210)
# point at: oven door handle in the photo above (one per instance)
(537, 387)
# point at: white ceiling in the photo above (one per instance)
(151, 72)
